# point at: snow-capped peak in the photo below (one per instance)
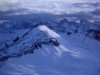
(49, 31)
(28, 42)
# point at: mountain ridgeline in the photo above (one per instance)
(89, 29)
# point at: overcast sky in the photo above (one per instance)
(54, 7)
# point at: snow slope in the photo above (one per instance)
(74, 56)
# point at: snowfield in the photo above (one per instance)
(75, 55)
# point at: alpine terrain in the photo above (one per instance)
(50, 48)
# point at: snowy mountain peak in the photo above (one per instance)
(28, 42)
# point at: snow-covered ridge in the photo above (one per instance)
(31, 40)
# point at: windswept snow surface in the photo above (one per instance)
(76, 55)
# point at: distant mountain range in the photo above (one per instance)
(90, 29)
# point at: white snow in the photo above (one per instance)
(50, 32)
(74, 56)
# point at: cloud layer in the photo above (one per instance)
(57, 8)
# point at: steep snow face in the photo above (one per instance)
(74, 55)
(60, 39)
(50, 32)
